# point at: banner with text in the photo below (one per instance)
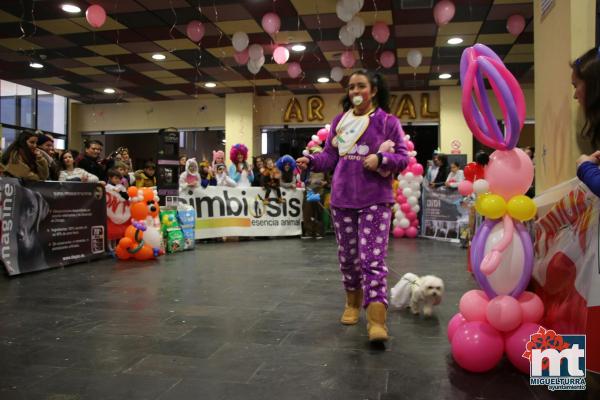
(444, 213)
(50, 224)
(223, 211)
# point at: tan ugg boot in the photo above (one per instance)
(376, 315)
(353, 304)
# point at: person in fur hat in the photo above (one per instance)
(240, 171)
(271, 180)
(190, 178)
(286, 164)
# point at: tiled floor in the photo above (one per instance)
(248, 320)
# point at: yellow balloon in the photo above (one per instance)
(521, 208)
(479, 201)
(395, 185)
(493, 206)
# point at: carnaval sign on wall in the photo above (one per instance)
(566, 269)
(443, 214)
(224, 211)
(50, 224)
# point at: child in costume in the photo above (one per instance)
(240, 171)
(190, 178)
(218, 158)
(147, 176)
(312, 208)
(221, 175)
(271, 177)
(361, 196)
(287, 165)
(206, 178)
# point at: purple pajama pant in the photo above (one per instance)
(362, 236)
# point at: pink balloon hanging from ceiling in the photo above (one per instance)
(294, 70)
(387, 59)
(195, 31)
(95, 15)
(241, 57)
(380, 32)
(281, 54)
(348, 59)
(515, 24)
(443, 12)
(271, 23)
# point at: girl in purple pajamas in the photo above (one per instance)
(365, 149)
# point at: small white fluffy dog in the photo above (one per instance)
(418, 293)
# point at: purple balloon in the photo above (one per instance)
(478, 252)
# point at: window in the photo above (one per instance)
(51, 113)
(17, 104)
(8, 136)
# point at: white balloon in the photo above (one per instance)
(415, 187)
(153, 237)
(356, 26)
(416, 208)
(337, 74)
(414, 58)
(256, 64)
(353, 6)
(305, 153)
(395, 207)
(409, 175)
(403, 183)
(413, 201)
(417, 195)
(407, 192)
(315, 138)
(420, 179)
(240, 41)
(509, 272)
(399, 214)
(342, 12)
(253, 68)
(256, 51)
(412, 153)
(346, 37)
(406, 138)
(481, 186)
(404, 223)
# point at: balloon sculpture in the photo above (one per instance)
(143, 240)
(408, 191)
(500, 317)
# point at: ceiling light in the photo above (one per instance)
(109, 90)
(210, 85)
(298, 47)
(158, 56)
(445, 76)
(37, 65)
(70, 8)
(455, 40)
(323, 79)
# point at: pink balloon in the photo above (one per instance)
(509, 172)
(322, 134)
(311, 144)
(417, 169)
(347, 59)
(515, 24)
(411, 216)
(411, 232)
(443, 12)
(455, 322)
(477, 346)
(515, 342)
(294, 70)
(95, 15)
(241, 57)
(405, 207)
(410, 146)
(531, 307)
(400, 199)
(415, 223)
(195, 31)
(473, 305)
(380, 32)
(465, 188)
(387, 59)
(271, 23)
(412, 160)
(504, 313)
(281, 54)
(398, 232)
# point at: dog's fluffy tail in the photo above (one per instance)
(402, 290)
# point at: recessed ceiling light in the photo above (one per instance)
(455, 40)
(158, 56)
(70, 8)
(109, 90)
(210, 84)
(37, 65)
(298, 47)
(445, 76)
(323, 79)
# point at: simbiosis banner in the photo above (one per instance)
(223, 211)
(50, 224)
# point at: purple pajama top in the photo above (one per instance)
(353, 186)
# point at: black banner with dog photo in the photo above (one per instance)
(50, 224)
(444, 212)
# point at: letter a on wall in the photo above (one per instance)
(293, 111)
(406, 107)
